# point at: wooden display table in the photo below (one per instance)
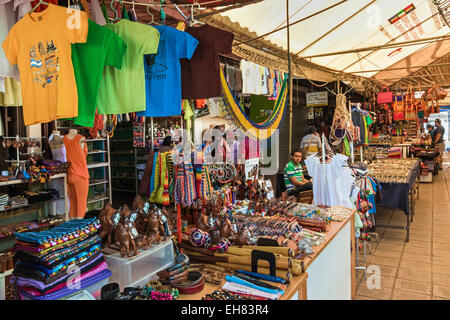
(330, 270)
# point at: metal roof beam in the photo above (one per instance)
(335, 28)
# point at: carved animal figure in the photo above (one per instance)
(153, 227)
(225, 228)
(242, 238)
(107, 225)
(202, 222)
(127, 244)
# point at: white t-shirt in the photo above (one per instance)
(11, 11)
(335, 187)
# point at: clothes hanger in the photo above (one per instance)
(192, 20)
(132, 10)
(113, 8)
(37, 6)
(153, 18)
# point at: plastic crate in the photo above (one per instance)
(137, 270)
(83, 295)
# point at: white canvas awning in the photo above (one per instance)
(349, 25)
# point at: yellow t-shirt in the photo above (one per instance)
(40, 44)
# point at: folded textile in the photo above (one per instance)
(51, 280)
(65, 232)
(241, 289)
(40, 251)
(52, 259)
(43, 286)
(63, 283)
(67, 291)
(46, 272)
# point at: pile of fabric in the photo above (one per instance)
(3, 200)
(19, 201)
(52, 264)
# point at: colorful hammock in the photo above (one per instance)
(262, 130)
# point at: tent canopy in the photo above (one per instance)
(356, 24)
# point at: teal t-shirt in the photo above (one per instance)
(292, 170)
(102, 48)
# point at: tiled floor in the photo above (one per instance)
(420, 268)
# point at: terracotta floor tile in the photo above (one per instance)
(385, 261)
(414, 265)
(387, 253)
(385, 282)
(441, 279)
(441, 246)
(415, 286)
(417, 250)
(441, 291)
(363, 298)
(394, 235)
(441, 253)
(440, 260)
(436, 268)
(416, 257)
(388, 271)
(409, 295)
(379, 294)
(439, 298)
(388, 247)
(441, 240)
(413, 274)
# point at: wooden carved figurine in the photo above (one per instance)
(242, 238)
(124, 234)
(202, 222)
(107, 225)
(153, 227)
(225, 228)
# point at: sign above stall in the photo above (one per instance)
(317, 99)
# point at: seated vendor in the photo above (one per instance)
(294, 178)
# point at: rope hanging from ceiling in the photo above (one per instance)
(251, 129)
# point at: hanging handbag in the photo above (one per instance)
(384, 97)
(410, 109)
(420, 103)
(399, 110)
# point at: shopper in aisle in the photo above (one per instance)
(311, 142)
(438, 139)
(294, 179)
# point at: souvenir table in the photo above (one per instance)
(329, 272)
(399, 180)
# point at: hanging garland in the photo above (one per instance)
(262, 130)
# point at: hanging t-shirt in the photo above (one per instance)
(12, 97)
(103, 48)
(201, 75)
(123, 91)
(11, 11)
(40, 44)
(163, 72)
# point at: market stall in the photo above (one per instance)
(399, 180)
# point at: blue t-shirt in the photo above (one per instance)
(163, 72)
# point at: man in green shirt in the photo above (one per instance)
(294, 179)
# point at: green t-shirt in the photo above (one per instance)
(102, 48)
(123, 91)
(292, 170)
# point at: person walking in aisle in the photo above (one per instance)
(439, 140)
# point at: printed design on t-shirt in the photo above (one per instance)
(44, 63)
(154, 71)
